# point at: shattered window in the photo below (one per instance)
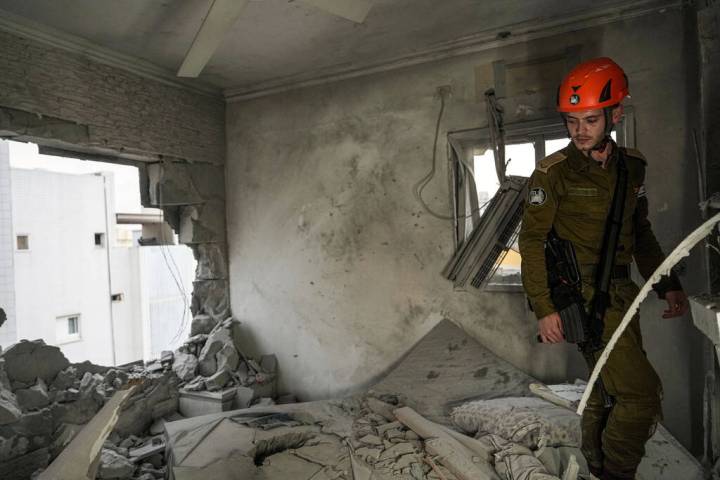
(474, 182)
(520, 162)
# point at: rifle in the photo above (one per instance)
(565, 282)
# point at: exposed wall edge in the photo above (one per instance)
(26, 28)
(479, 42)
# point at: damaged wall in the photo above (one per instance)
(336, 268)
(73, 106)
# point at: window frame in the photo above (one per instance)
(17, 237)
(68, 337)
(101, 235)
(464, 144)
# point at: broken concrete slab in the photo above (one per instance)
(76, 412)
(25, 361)
(9, 409)
(88, 366)
(166, 357)
(207, 361)
(185, 366)
(25, 465)
(195, 385)
(36, 424)
(202, 323)
(227, 358)
(79, 459)
(157, 398)
(34, 397)
(65, 379)
(218, 380)
(114, 465)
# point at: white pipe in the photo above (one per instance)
(109, 274)
(680, 252)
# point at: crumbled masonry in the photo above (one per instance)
(408, 426)
(45, 400)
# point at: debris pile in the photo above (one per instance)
(133, 458)
(44, 401)
(135, 450)
(212, 360)
(383, 445)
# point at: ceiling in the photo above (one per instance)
(277, 41)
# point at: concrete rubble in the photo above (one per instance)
(211, 360)
(44, 401)
(462, 425)
(209, 411)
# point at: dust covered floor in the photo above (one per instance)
(450, 380)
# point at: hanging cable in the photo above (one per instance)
(420, 185)
(176, 279)
(497, 133)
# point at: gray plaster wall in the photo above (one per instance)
(335, 267)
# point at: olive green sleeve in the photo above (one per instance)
(538, 216)
(647, 252)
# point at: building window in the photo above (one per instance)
(22, 242)
(99, 239)
(526, 144)
(67, 328)
(116, 297)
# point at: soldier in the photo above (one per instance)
(571, 191)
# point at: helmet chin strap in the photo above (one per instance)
(600, 146)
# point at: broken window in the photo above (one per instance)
(475, 185)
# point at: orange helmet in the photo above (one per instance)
(594, 84)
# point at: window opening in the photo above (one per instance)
(67, 328)
(99, 239)
(22, 242)
(526, 144)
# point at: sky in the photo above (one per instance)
(126, 178)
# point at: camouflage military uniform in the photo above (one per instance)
(573, 194)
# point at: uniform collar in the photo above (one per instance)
(580, 163)
(576, 160)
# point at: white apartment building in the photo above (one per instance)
(73, 287)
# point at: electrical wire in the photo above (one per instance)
(423, 182)
(176, 279)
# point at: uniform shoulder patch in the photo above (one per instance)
(551, 160)
(631, 152)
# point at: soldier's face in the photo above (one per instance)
(586, 129)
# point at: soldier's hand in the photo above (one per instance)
(550, 329)
(677, 304)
